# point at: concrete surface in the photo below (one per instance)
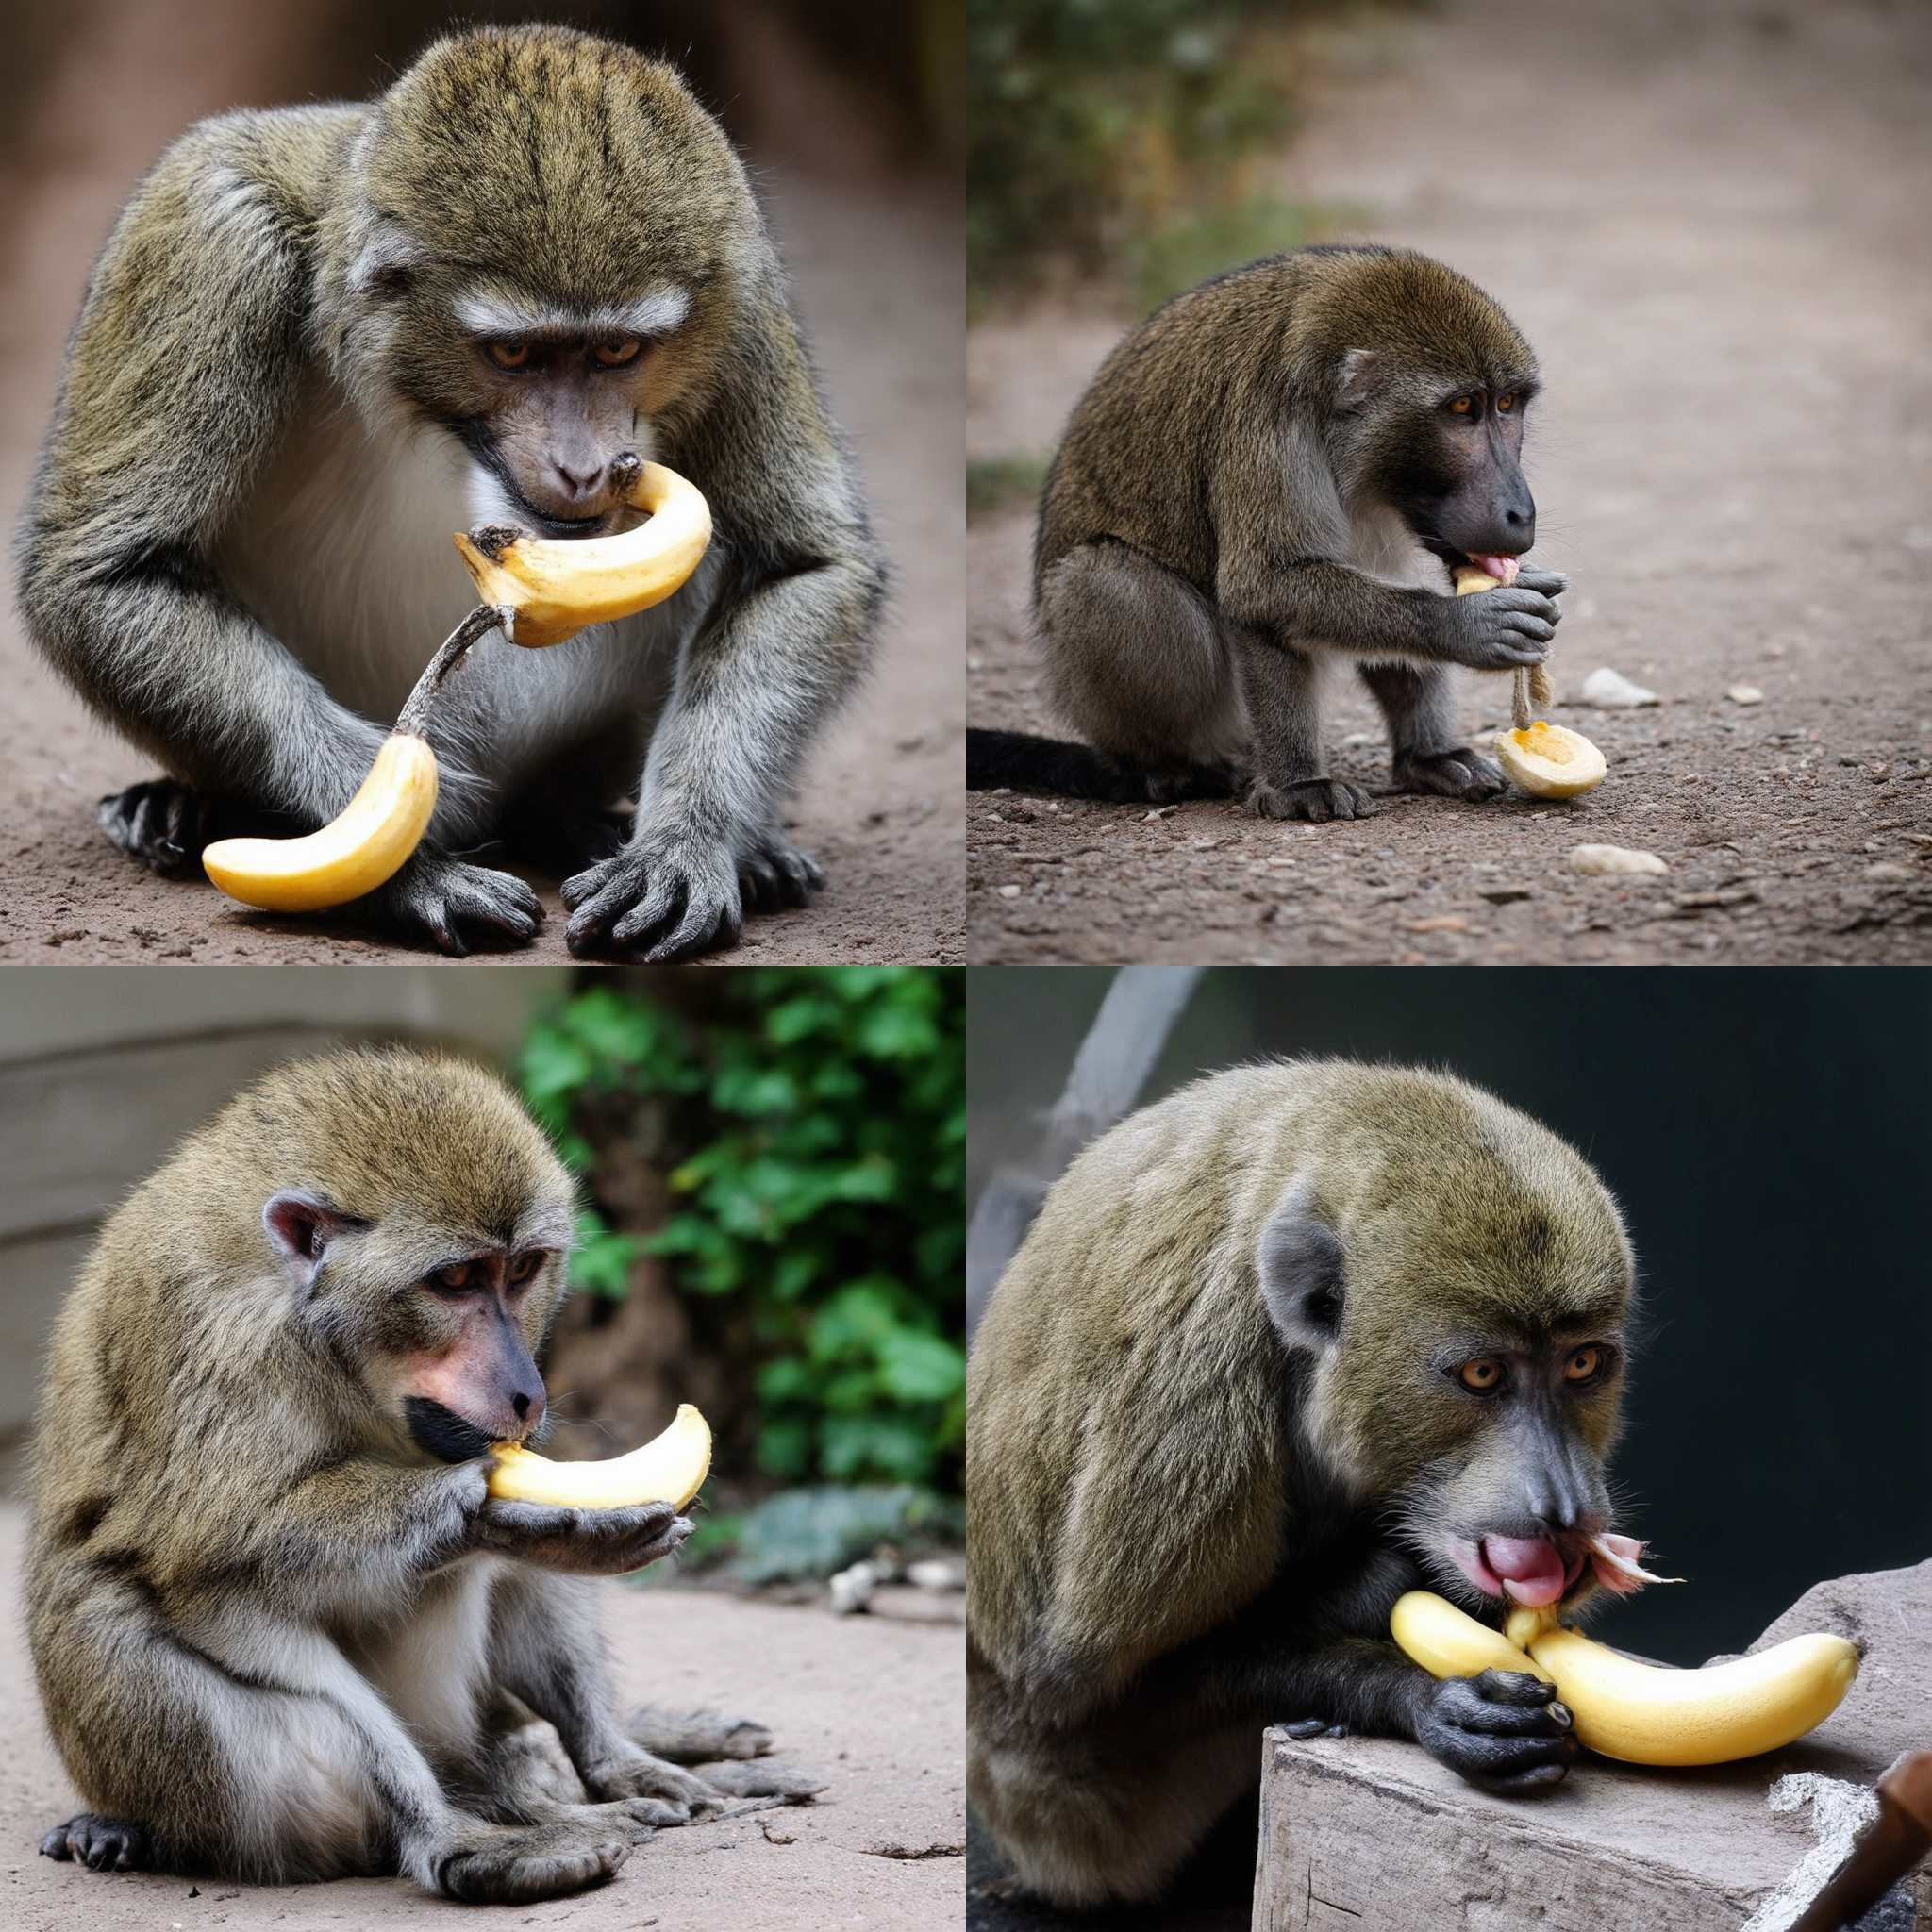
(1361, 1831)
(1710, 221)
(877, 1706)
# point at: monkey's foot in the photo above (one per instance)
(513, 1865)
(658, 899)
(696, 1737)
(161, 823)
(102, 1845)
(1314, 1727)
(776, 876)
(764, 1778)
(1316, 799)
(644, 1776)
(448, 903)
(1504, 1730)
(1458, 773)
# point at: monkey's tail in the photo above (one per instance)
(1021, 762)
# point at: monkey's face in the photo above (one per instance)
(546, 262)
(1449, 462)
(438, 1323)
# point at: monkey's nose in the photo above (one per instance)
(579, 484)
(528, 1406)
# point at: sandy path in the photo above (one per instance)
(876, 1706)
(1710, 221)
(877, 277)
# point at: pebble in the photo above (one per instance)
(1593, 860)
(1611, 690)
(1889, 872)
(1010, 892)
(1745, 694)
(1442, 922)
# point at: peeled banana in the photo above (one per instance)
(548, 591)
(669, 1467)
(1544, 759)
(1640, 1713)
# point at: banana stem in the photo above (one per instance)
(414, 716)
(1521, 704)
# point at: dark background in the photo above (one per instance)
(1765, 1133)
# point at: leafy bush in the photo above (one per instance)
(813, 1133)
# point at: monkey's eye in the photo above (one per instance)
(1461, 406)
(457, 1276)
(510, 354)
(1583, 1364)
(1505, 404)
(526, 1266)
(615, 355)
(1484, 1375)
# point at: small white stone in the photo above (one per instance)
(1611, 690)
(1592, 861)
(1889, 872)
(1745, 694)
(1010, 892)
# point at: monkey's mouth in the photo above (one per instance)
(1536, 1571)
(1494, 562)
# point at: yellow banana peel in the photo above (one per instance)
(549, 589)
(1635, 1712)
(669, 1467)
(536, 592)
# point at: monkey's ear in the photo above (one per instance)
(300, 1227)
(1301, 1263)
(1357, 375)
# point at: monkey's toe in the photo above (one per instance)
(1317, 799)
(654, 904)
(102, 1845)
(776, 876)
(519, 1865)
(1458, 773)
(160, 825)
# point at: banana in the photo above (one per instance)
(1545, 760)
(549, 590)
(351, 855)
(669, 1467)
(1449, 1643)
(1642, 1713)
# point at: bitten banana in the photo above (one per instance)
(351, 855)
(1546, 761)
(548, 591)
(1642, 1713)
(669, 1467)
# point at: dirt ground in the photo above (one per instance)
(877, 278)
(1710, 221)
(876, 1705)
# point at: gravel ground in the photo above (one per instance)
(877, 1706)
(876, 270)
(1710, 221)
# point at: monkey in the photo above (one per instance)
(1297, 1339)
(320, 340)
(281, 1630)
(1268, 477)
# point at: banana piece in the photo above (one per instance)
(351, 855)
(669, 1467)
(1449, 1643)
(1545, 760)
(549, 590)
(1642, 1713)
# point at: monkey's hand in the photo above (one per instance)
(448, 902)
(1502, 1730)
(1501, 629)
(590, 1542)
(660, 898)
(636, 1775)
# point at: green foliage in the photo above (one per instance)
(812, 1532)
(994, 483)
(1179, 254)
(1093, 120)
(813, 1131)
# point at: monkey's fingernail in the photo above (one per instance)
(1562, 1713)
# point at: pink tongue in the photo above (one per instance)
(1530, 1570)
(1504, 567)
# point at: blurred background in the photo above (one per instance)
(1764, 1132)
(851, 117)
(770, 1164)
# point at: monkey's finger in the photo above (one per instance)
(1519, 623)
(662, 904)
(1518, 1688)
(1501, 603)
(1538, 1774)
(800, 873)
(705, 928)
(1547, 583)
(614, 888)
(1307, 1727)
(758, 881)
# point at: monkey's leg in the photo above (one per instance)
(1137, 665)
(1428, 755)
(1281, 689)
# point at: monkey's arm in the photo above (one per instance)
(789, 632)
(1280, 538)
